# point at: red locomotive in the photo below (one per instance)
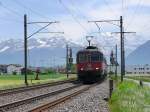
(91, 65)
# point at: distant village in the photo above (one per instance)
(132, 69)
(17, 69)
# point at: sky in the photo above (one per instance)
(73, 17)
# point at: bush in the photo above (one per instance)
(50, 71)
(111, 73)
(14, 73)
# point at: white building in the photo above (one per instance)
(133, 69)
(138, 69)
(14, 69)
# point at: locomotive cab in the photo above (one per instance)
(91, 64)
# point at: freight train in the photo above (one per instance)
(91, 65)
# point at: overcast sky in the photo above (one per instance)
(74, 16)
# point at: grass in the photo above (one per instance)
(113, 77)
(12, 81)
(130, 97)
(143, 78)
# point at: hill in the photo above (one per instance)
(41, 51)
(140, 55)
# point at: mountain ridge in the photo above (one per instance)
(41, 50)
(140, 55)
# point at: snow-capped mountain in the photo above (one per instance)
(17, 44)
(41, 51)
(52, 51)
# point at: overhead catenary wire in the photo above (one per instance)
(14, 12)
(34, 12)
(133, 16)
(78, 10)
(9, 9)
(72, 15)
(31, 10)
(122, 6)
(108, 5)
(134, 13)
(11, 20)
(125, 7)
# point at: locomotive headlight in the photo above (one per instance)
(81, 68)
(97, 68)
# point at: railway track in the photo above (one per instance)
(12, 105)
(33, 87)
(61, 99)
(35, 104)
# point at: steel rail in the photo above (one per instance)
(29, 100)
(33, 87)
(60, 100)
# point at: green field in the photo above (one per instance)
(143, 78)
(130, 97)
(11, 81)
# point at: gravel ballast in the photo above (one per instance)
(34, 104)
(89, 101)
(31, 93)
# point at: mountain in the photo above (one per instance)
(41, 51)
(141, 55)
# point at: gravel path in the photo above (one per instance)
(89, 101)
(31, 93)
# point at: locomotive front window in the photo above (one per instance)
(90, 57)
(95, 57)
(82, 58)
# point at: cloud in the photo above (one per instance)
(75, 22)
(143, 3)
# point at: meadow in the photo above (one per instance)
(130, 97)
(142, 78)
(12, 81)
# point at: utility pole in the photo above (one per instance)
(67, 60)
(112, 61)
(70, 59)
(116, 62)
(25, 49)
(122, 49)
(121, 41)
(26, 37)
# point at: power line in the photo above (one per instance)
(31, 10)
(25, 7)
(125, 4)
(34, 12)
(11, 20)
(122, 6)
(77, 21)
(10, 10)
(78, 10)
(134, 13)
(107, 4)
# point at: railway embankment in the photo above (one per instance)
(130, 96)
(143, 83)
(91, 100)
(81, 97)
